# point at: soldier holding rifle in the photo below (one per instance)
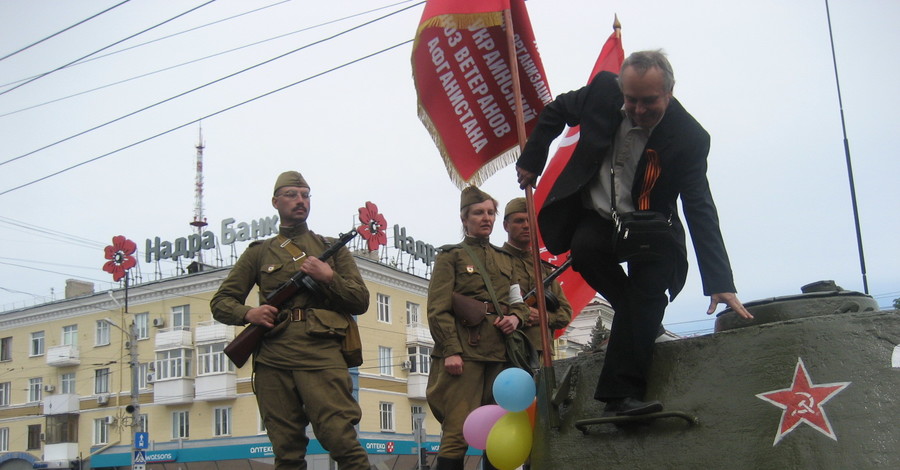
(301, 377)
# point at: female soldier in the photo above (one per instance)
(466, 359)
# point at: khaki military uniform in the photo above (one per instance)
(300, 379)
(451, 398)
(555, 320)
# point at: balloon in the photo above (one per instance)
(509, 442)
(514, 389)
(479, 423)
(532, 412)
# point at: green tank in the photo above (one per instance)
(811, 383)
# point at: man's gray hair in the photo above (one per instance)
(642, 61)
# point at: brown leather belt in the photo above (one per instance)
(297, 315)
(490, 308)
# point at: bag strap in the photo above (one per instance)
(487, 280)
(288, 244)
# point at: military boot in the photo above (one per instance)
(443, 463)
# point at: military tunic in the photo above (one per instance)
(300, 379)
(555, 320)
(451, 398)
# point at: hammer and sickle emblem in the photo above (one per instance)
(805, 405)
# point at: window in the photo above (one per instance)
(61, 429)
(384, 361)
(101, 333)
(173, 363)
(4, 394)
(413, 411)
(384, 308)
(70, 335)
(386, 411)
(412, 314)
(142, 325)
(222, 424)
(34, 436)
(101, 380)
(143, 423)
(37, 344)
(181, 425)
(143, 372)
(67, 383)
(211, 359)
(4, 439)
(181, 317)
(101, 431)
(419, 359)
(34, 389)
(6, 348)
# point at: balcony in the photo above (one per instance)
(177, 391)
(418, 333)
(61, 404)
(63, 356)
(415, 385)
(175, 337)
(213, 332)
(219, 386)
(63, 453)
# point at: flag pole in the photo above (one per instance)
(546, 360)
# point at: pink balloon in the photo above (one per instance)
(479, 424)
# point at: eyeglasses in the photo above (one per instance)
(294, 194)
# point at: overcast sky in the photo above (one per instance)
(758, 75)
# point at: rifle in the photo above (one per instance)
(240, 348)
(551, 302)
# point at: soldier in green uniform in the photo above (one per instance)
(300, 378)
(518, 244)
(466, 360)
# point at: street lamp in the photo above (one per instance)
(135, 406)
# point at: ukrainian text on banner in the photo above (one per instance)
(577, 291)
(464, 83)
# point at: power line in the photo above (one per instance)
(281, 56)
(63, 30)
(263, 41)
(105, 47)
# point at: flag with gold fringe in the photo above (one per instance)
(464, 83)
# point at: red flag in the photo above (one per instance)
(576, 289)
(463, 80)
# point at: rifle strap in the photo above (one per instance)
(484, 275)
(292, 248)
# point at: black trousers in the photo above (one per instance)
(638, 298)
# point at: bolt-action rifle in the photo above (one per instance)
(242, 346)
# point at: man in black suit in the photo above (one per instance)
(629, 123)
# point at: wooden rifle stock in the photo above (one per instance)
(550, 300)
(245, 343)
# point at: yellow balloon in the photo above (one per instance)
(510, 439)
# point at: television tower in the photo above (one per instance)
(199, 220)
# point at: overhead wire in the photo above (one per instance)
(171, 98)
(172, 67)
(105, 47)
(63, 30)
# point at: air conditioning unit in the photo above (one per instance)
(159, 322)
(405, 365)
(49, 388)
(102, 399)
(150, 378)
(110, 420)
(43, 437)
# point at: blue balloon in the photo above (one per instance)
(514, 389)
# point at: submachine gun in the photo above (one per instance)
(551, 302)
(245, 343)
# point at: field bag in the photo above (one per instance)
(642, 234)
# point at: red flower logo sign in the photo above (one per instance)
(119, 256)
(373, 225)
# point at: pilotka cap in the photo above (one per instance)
(513, 206)
(290, 178)
(472, 195)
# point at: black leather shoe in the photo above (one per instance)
(631, 407)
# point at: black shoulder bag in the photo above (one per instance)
(642, 234)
